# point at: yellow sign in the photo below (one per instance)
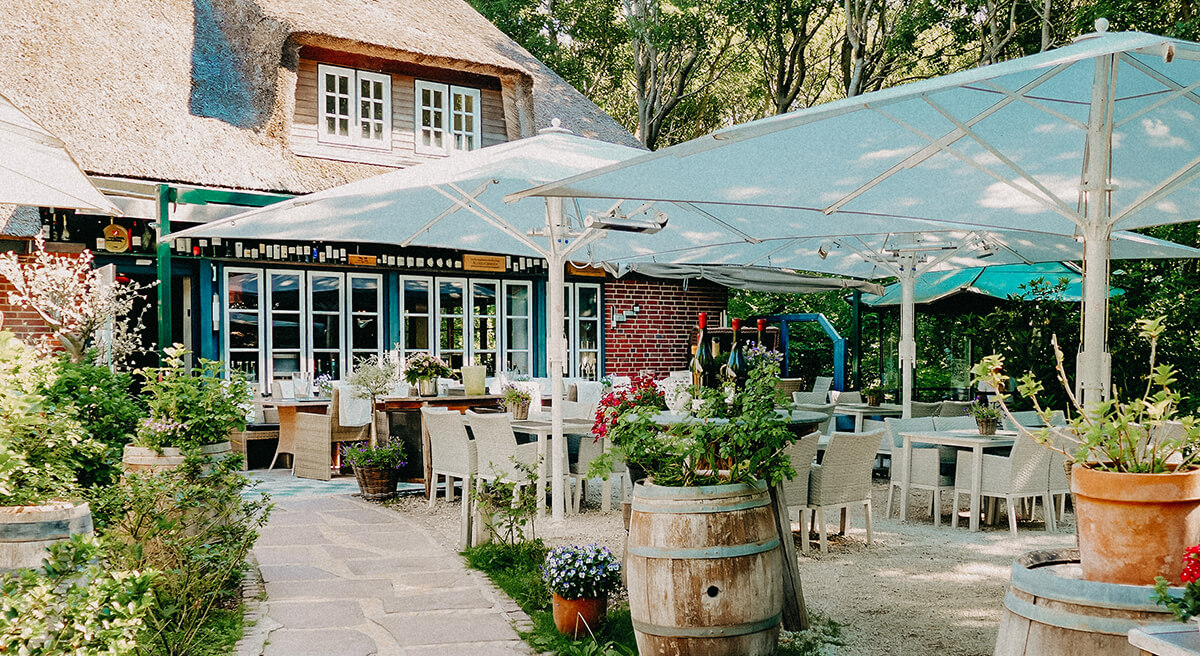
(595, 272)
(362, 260)
(116, 238)
(493, 263)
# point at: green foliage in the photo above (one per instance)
(1113, 435)
(513, 395)
(41, 452)
(1187, 604)
(102, 403)
(78, 603)
(192, 526)
(388, 455)
(983, 410)
(191, 409)
(508, 506)
(821, 631)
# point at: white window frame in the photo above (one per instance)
(268, 320)
(343, 346)
(506, 348)
(430, 315)
(351, 313)
(355, 138)
(446, 112)
(496, 350)
(263, 378)
(576, 319)
(466, 318)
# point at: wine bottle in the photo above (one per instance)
(735, 367)
(703, 364)
(762, 324)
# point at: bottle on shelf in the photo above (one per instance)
(762, 325)
(703, 363)
(736, 370)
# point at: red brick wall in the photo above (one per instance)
(658, 338)
(22, 322)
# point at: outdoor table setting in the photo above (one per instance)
(412, 404)
(862, 410)
(962, 439)
(543, 429)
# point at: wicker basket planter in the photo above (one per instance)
(377, 483)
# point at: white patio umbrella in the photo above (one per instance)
(908, 255)
(458, 203)
(37, 170)
(1097, 136)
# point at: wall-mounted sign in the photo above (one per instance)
(492, 263)
(362, 260)
(116, 238)
(595, 272)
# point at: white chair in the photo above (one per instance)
(822, 384)
(961, 422)
(809, 397)
(846, 397)
(925, 468)
(496, 447)
(843, 479)
(885, 442)
(954, 408)
(803, 454)
(452, 452)
(283, 389)
(1023, 474)
(922, 409)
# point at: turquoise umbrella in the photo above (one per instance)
(1001, 281)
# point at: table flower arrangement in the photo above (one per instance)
(516, 400)
(324, 384)
(423, 369)
(580, 579)
(1187, 605)
(987, 416)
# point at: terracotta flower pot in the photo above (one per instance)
(1133, 527)
(573, 617)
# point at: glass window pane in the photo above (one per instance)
(343, 85)
(247, 363)
(365, 332)
(285, 332)
(330, 104)
(450, 295)
(364, 88)
(326, 294)
(285, 364)
(517, 362)
(416, 333)
(426, 98)
(416, 297)
(487, 360)
(325, 331)
(451, 333)
(243, 291)
(484, 334)
(285, 292)
(589, 302)
(344, 127)
(589, 338)
(483, 300)
(588, 365)
(517, 301)
(243, 330)
(330, 82)
(518, 333)
(343, 107)
(327, 363)
(364, 294)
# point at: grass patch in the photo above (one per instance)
(220, 632)
(515, 570)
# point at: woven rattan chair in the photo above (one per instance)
(452, 452)
(822, 384)
(925, 470)
(316, 434)
(496, 447)
(1023, 474)
(803, 453)
(847, 397)
(789, 385)
(953, 408)
(922, 409)
(842, 480)
(809, 397)
(260, 428)
(962, 422)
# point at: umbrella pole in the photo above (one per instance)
(908, 321)
(557, 355)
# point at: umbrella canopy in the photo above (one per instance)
(37, 170)
(1003, 281)
(785, 281)
(1097, 136)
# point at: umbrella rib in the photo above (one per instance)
(1183, 176)
(1164, 80)
(483, 212)
(1029, 100)
(473, 196)
(950, 137)
(972, 163)
(708, 215)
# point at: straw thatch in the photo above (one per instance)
(203, 91)
(19, 221)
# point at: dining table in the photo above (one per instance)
(962, 439)
(456, 402)
(862, 410)
(543, 429)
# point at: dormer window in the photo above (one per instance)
(447, 118)
(355, 107)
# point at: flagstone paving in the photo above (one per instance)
(346, 577)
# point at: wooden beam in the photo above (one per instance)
(795, 613)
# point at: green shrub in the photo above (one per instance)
(191, 409)
(77, 603)
(195, 529)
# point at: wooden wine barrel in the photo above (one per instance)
(704, 569)
(144, 459)
(1050, 610)
(26, 531)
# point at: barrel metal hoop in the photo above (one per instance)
(55, 529)
(698, 508)
(1068, 620)
(701, 491)
(731, 551)
(1093, 594)
(707, 631)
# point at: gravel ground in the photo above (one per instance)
(916, 590)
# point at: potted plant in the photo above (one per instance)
(373, 377)
(423, 370)
(1185, 605)
(41, 454)
(987, 416)
(1134, 477)
(189, 411)
(580, 579)
(623, 417)
(873, 394)
(515, 400)
(376, 467)
(324, 384)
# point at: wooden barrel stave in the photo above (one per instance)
(148, 460)
(25, 532)
(703, 571)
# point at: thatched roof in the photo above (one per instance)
(19, 221)
(202, 91)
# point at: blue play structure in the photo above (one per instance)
(839, 342)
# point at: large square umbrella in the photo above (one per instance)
(37, 170)
(1097, 136)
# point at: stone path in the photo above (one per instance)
(345, 577)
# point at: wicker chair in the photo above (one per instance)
(843, 479)
(822, 384)
(496, 446)
(847, 397)
(789, 385)
(809, 397)
(315, 434)
(802, 452)
(261, 428)
(961, 422)
(921, 409)
(1023, 474)
(925, 470)
(954, 408)
(452, 452)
